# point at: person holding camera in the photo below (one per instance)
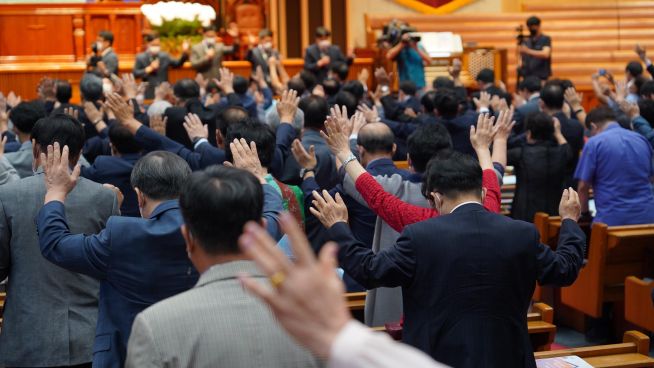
(411, 59)
(103, 61)
(536, 51)
(153, 64)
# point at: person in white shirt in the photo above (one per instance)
(307, 299)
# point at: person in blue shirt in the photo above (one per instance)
(411, 58)
(617, 164)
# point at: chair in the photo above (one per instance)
(638, 304)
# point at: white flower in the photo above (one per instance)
(170, 10)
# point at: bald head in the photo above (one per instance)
(376, 138)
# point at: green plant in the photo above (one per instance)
(178, 27)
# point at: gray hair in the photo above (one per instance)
(158, 108)
(272, 119)
(160, 175)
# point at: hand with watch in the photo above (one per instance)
(307, 160)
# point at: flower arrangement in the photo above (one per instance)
(176, 22)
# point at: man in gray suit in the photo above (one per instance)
(207, 56)
(217, 323)
(24, 116)
(50, 313)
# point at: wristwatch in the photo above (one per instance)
(304, 171)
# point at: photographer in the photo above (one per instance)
(411, 58)
(104, 61)
(536, 51)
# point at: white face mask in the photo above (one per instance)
(154, 49)
(267, 46)
(324, 44)
(210, 41)
(98, 45)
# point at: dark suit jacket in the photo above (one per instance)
(257, 58)
(574, 134)
(313, 54)
(467, 279)
(175, 125)
(144, 59)
(521, 113)
(459, 128)
(116, 171)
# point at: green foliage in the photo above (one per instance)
(178, 27)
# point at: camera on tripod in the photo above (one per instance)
(395, 30)
(521, 36)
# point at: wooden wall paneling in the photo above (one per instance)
(304, 25)
(125, 37)
(30, 35)
(79, 36)
(293, 29)
(316, 19)
(338, 24)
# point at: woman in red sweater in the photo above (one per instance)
(397, 213)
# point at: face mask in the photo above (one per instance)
(324, 44)
(532, 31)
(210, 41)
(99, 45)
(154, 49)
(267, 45)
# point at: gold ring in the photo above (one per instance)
(277, 279)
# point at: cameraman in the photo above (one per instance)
(411, 59)
(104, 61)
(536, 51)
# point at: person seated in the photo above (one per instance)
(24, 116)
(539, 167)
(617, 164)
(117, 168)
(467, 276)
(217, 323)
(322, 55)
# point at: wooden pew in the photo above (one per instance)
(2, 306)
(614, 253)
(638, 308)
(539, 321)
(631, 353)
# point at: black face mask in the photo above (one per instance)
(532, 32)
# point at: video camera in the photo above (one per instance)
(521, 36)
(393, 32)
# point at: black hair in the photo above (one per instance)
(315, 111)
(186, 88)
(61, 128)
(530, 84)
(209, 28)
(446, 103)
(486, 76)
(160, 175)
(428, 101)
(341, 69)
(63, 91)
(647, 89)
(25, 115)
(229, 116)
(322, 32)
(376, 141)
(635, 68)
(107, 36)
(600, 116)
(331, 87)
(442, 82)
(91, 87)
(217, 203)
(646, 107)
(253, 131)
(566, 83)
(552, 95)
(123, 140)
(639, 81)
(309, 79)
(265, 33)
(533, 21)
(426, 142)
(151, 37)
(297, 84)
(408, 87)
(354, 87)
(540, 125)
(452, 173)
(344, 98)
(240, 84)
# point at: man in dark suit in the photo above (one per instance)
(468, 275)
(260, 55)
(117, 168)
(322, 55)
(153, 64)
(529, 89)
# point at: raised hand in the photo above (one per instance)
(363, 76)
(158, 124)
(72, 112)
(570, 207)
(307, 295)
(481, 136)
(382, 77)
(13, 100)
(130, 87)
(504, 125)
(59, 181)
(194, 127)
(287, 106)
(201, 81)
(93, 113)
(123, 111)
(340, 117)
(573, 98)
(246, 157)
(630, 109)
(483, 102)
(4, 116)
(259, 77)
(370, 114)
(621, 91)
(306, 160)
(226, 82)
(336, 139)
(3, 141)
(641, 51)
(327, 210)
(358, 122)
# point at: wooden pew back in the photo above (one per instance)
(638, 305)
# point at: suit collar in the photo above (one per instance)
(380, 162)
(163, 207)
(229, 270)
(468, 207)
(415, 177)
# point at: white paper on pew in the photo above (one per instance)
(441, 44)
(571, 361)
